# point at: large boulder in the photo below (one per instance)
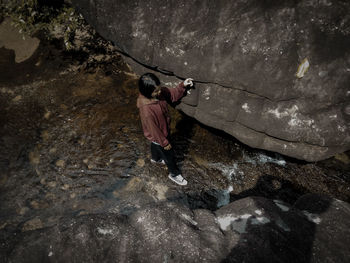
(253, 229)
(274, 74)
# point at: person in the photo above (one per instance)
(152, 104)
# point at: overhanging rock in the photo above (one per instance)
(275, 75)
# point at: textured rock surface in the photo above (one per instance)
(247, 54)
(252, 229)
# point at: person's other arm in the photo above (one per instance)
(155, 132)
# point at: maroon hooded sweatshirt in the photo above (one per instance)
(155, 116)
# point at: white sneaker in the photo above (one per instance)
(178, 179)
(160, 161)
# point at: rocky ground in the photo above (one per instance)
(72, 149)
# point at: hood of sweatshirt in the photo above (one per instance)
(142, 101)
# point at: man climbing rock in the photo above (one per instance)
(152, 103)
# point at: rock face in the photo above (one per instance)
(253, 229)
(275, 75)
(23, 45)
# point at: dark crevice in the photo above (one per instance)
(171, 73)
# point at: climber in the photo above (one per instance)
(155, 119)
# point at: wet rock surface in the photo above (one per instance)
(76, 182)
(258, 65)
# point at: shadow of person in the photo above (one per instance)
(273, 187)
(273, 230)
(181, 138)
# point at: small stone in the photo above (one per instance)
(2, 226)
(50, 196)
(85, 161)
(45, 136)
(32, 224)
(322, 74)
(43, 181)
(60, 163)
(17, 98)
(22, 210)
(342, 157)
(53, 150)
(35, 204)
(73, 195)
(63, 107)
(39, 205)
(52, 184)
(47, 115)
(90, 166)
(65, 187)
(303, 68)
(140, 162)
(3, 179)
(34, 157)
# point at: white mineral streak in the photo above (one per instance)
(303, 68)
(189, 219)
(206, 92)
(282, 225)
(262, 158)
(281, 205)
(258, 212)
(175, 52)
(295, 120)
(341, 128)
(161, 233)
(224, 197)
(245, 107)
(312, 217)
(239, 223)
(229, 171)
(287, 112)
(105, 231)
(260, 220)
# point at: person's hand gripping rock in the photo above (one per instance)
(188, 82)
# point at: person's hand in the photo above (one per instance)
(188, 82)
(168, 147)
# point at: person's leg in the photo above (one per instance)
(156, 152)
(169, 158)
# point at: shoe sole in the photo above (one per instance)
(172, 179)
(161, 162)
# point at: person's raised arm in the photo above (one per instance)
(177, 93)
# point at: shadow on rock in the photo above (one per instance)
(270, 186)
(274, 231)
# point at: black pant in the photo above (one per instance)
(158, 153)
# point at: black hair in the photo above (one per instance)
(147, 84)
